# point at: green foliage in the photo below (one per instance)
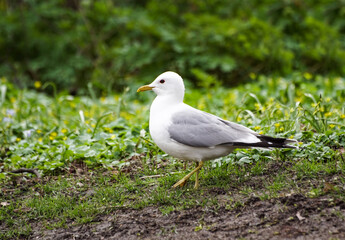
(90, 143)
(53, 133)
(36, 131)
(112, 45)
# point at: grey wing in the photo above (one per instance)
(199, 129)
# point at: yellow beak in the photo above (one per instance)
(144, 88)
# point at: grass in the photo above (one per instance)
(67, 200)
(95, 155)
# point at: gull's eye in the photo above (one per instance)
(162, 81)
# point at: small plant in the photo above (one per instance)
(94, 155)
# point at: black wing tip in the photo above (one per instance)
(277, 142)
(267, 142)
(291, 141)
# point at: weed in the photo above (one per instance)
(95, 155)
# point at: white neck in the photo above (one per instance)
(163, 103)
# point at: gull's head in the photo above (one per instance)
(166, 84)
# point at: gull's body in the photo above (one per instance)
(160, 122)
(190, 134)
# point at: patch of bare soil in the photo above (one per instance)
(290, 217)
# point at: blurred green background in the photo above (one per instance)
(113, 44)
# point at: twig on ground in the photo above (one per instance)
(27, 170)
(158, 175)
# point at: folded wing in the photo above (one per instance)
(201, 129)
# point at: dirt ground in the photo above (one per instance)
(291, 217)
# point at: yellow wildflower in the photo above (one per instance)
(110, 130)
(112, 136)
(277, 125)
(257, 106)
(52, 135)
(126, 115)
(342, 116)
(332, 126)
(37, 84)
(72, 104)
(89, 130)
(281, 129)
(252, 75)
(328, 114)
(307, 76)
(87, 114)
(38, 131)
(64, 130)
(328, 99)
(3, 79)
(40, 139)
(18, 139)
(257, 128)
(298, 99)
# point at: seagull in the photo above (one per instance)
(190, 134)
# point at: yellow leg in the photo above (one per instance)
(197, 172)
(196, 185)
(183, 181)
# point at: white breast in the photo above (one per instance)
(160, 120)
